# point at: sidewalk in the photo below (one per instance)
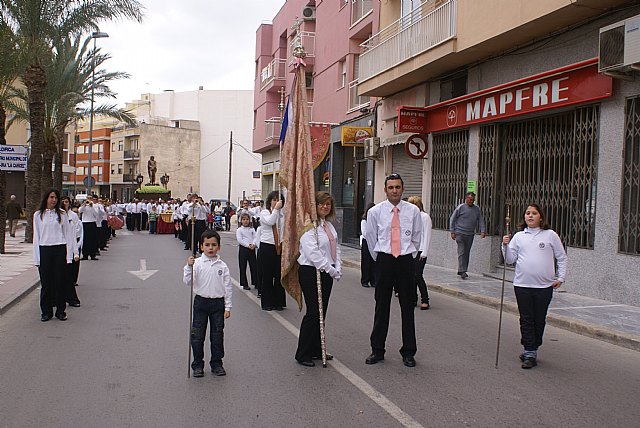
(600, 319)
(18, 275)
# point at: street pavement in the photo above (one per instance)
(121, 358)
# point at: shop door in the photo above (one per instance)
(409, 169)
(550, 161)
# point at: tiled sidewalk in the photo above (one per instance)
(600, 319)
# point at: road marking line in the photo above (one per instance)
(387, 405)
(586, 307)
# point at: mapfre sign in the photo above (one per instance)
(574, 84)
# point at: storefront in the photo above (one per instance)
(553, 138)
(351, 176)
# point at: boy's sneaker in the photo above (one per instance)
(198, 372)
(529, 363)
(218, 371)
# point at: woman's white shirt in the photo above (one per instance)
(317, 253)
(245, 236)
(533, 250)
(47, 231)
(426, 234)
(269, 219)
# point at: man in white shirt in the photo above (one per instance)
(394, 229)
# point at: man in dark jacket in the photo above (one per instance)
(227, 212)
(13, 211)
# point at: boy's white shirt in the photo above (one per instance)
(212, 279)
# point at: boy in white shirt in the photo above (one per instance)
(212, 286)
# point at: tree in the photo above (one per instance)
(37, 25)
(71, 81)
(8, 73)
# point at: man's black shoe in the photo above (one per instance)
(85, 258)
(62, 316)
(306, 363)
(319, 357)
(45, 318)
(529, 363)
(279, 308)
(374, 358)
(365, 285)
(246, 287)
(75, 304)
(218, 371)
(409, 361)
(464, 275)
(198, 372)
(94, 258)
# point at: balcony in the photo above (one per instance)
(272, 129)
(360, 9)
(426, 27)
(128, 178)
(131, 155)
(306, 39)
(356, 102)
(273, 75)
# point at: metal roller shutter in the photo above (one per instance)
(409, 169)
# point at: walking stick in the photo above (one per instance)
(193, 234)
(323, 344)
(504, 273)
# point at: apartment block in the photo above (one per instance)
(522, 102)
(331, 33)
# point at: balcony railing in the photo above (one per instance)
(132, 154)
(308, 40)
(426, 27)
(276, 70)
(359, 9)
(272, 129)
(355, 101)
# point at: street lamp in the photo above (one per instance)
(95, 35)
(164, 180)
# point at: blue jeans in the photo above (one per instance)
(152, 227)
(204, 310)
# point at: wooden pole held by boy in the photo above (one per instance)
(504, 272)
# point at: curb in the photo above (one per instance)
(582, 328)
(20, 292)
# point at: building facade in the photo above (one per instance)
(331, 34)
(518, 111)
(219, 117)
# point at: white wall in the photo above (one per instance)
(219, 113)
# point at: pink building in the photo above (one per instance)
(331, 33)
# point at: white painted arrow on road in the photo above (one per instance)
(143, 273)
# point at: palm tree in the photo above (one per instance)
(8, 73)
(70, 77)
(37, 26)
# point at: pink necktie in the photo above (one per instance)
(332, 240)
(395, 233)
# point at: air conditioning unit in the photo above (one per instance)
(619, 46)
(309, 13)
(371, 147)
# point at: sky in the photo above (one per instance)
(185, 44)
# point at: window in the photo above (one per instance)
(342, 76)
(113, 147)
(629, 239)
(359, 9)
(453, 87)
(113, 168)
(120, 168)
(80, 149)
(449, 165)
(120, 145)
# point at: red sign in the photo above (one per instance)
(412, 120)
(573, 84)
(417, 146)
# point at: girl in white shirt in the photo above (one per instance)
(273, 295)
(73, 269)
(246, 237)
(367, 264)
(421, 257)
(53, 248)
(535, 250)
(318, 250)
